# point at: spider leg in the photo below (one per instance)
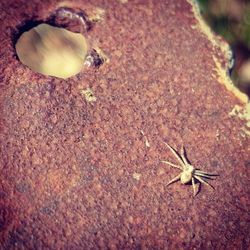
(176, 155)
(183, 157)
(203, 181)
(174, 180)
(206, 173)
(171, 164)
(193, 184)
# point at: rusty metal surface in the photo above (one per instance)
(80, 175)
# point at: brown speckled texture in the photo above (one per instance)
(78, 175)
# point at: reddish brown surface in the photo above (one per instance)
(67, 165)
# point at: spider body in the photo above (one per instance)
(186, 175)
(189, 172)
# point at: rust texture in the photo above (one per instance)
(81, 174)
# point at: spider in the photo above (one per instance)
(189, 173)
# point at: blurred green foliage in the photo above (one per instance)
(246, 26)
(231, 20)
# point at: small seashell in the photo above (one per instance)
(52, 51)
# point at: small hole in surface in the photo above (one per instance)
(74, 20)
(37, 34)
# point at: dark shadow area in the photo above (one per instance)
(20, 29)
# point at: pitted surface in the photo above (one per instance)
(80, 175)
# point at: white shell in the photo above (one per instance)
(52, 51)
